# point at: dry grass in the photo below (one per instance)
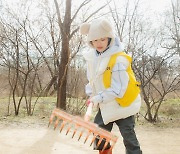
(169, 114)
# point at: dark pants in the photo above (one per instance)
(126, 127)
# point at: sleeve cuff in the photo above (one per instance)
(97, 99)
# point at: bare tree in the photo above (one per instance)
(22, 64)
(158, 79)
(22, 70)
(171, 29)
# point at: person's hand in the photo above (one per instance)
(88, 102)
(96, 100)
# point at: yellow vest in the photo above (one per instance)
(133, 86)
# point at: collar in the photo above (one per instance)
(100, 53)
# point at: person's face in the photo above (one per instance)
(100, 44)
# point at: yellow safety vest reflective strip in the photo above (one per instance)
(133, 86)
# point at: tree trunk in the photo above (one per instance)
(146, 100)
(62, 81)
(63, 67)
(51, 83)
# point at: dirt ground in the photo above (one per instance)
(33, 138)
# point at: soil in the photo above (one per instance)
(36, 138)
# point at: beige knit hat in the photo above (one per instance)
(99, 28)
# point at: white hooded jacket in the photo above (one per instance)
(96, 65)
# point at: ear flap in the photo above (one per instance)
(105, 24)
(84, 28)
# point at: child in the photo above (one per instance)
(112, 86)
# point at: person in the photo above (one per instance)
(112, 86)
